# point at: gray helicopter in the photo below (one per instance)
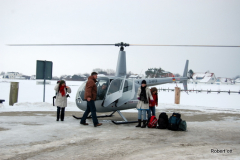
(120, 92)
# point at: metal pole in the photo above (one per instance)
(13, 96)
(44, 75)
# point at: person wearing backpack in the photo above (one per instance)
(143, 95)
(153, 103)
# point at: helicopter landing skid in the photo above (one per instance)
(123, 122)
(97, 116)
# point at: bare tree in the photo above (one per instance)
(86, 74)
(129, 74)
(110, 72)
(97, 70)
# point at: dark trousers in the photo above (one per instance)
(90, 108)
(151, 109)
(62, 113)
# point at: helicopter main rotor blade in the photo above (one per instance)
(121, 44)
(60, 44)
(181, 45)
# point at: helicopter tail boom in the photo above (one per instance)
(158, 81)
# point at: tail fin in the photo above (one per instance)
(185, 76)
(185, 69)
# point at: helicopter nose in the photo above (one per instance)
(81, 105)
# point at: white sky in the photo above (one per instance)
(200, 22)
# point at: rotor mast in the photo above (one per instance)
(121, 45)
(121, 69)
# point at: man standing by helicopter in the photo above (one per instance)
(90, 95)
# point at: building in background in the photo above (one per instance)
(237, 81)
(224, 80)
(206, 78)
(33, 77)
(66, 77)
(166, 74)
(77, 77)
(12, 75)
(136, 76)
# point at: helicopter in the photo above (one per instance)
(121, 93)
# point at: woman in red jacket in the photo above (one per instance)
(153, 103)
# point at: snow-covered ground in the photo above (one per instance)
(29, 130)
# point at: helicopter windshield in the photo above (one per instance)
(102, 86)
(115, 86)
(120, 91)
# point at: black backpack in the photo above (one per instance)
(174, 121)
(162, 121)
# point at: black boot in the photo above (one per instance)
(62, 114)
(147, 122)
(144, 124)
(139, 123)
(58, 113)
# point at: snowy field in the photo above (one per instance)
(29, 130)
(30, 97)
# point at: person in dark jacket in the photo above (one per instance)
(143, 95)
(61, 98)
(91, 95)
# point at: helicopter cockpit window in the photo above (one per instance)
(115, 86)
(127, 86)
(102, 86)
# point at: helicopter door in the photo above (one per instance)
(114, 91)
(128, 92)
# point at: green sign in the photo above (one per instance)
(44, 67)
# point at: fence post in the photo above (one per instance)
(13, 97)
(177, 95)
